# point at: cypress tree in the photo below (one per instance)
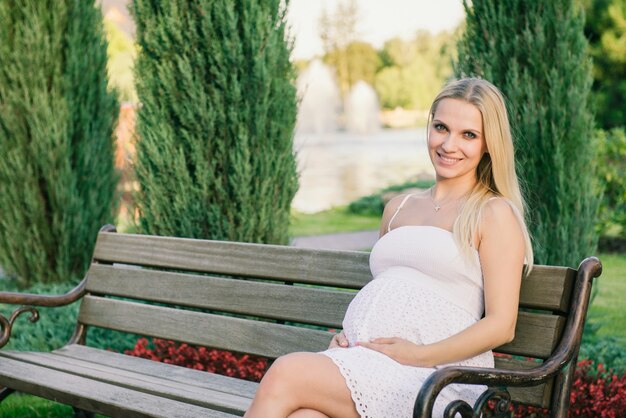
(215, 127)
(57, 179)
(536, 53)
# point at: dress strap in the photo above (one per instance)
(398, 210)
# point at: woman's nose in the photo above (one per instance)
(449, 144)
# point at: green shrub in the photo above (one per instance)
(612, 169)
(108, 339)
(367, 205)
(604, 27)
(27, 406)
(57, 178)
(374, 204)
(121, 52)
(215, 151)
(537, 54)
(607, 350)
(56, 325)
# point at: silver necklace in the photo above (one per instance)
(437, 206)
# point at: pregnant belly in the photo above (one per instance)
(405, 307)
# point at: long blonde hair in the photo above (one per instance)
(496, 170)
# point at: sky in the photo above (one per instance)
(380, 20)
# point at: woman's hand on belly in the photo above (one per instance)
(339, 340)
(401, 350)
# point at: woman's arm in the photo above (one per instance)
(501, 252)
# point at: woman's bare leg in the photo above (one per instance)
(307, 413)
(302, 381)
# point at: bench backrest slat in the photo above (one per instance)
(331, 268)
(276, 301)
(536, 335)
(548, 288)
(224, 332)
(539, 395)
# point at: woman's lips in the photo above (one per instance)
(448, 160)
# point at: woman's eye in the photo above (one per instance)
(439, 127)
(470, 135)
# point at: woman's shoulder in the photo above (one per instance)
(394, 203)
(500, 206)
(403, 198)
(500, 213)
(394, 206)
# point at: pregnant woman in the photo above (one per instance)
(447, 271)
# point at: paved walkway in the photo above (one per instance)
(360, 240)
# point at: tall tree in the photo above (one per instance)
(415, 70)
(606, 30)
(342, 50)
(57, 179)
(358, 61)
(536, 52)
(121, 56)
(215, 129)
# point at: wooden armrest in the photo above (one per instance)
(29, 301)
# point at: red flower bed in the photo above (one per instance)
(596, 392)
(222, 362)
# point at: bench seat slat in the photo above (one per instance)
(92, 395)
(237, 334)
(538, 395)
(193, 386)
(162, 386)
(153, 368)
(347, 269)
(277, 301)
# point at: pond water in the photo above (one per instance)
(336, 168)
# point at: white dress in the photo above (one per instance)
(423, 291)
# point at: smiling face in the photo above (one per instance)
(456, 141)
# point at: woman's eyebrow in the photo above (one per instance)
(467, 129)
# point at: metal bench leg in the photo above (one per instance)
(79, 413)
(4, 392)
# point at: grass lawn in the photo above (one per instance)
(18, 405)
(331, 221)
(608, 308)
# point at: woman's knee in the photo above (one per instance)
(307, 381)
(307, 413)
(281, 379)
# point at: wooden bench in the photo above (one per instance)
(178, 289)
